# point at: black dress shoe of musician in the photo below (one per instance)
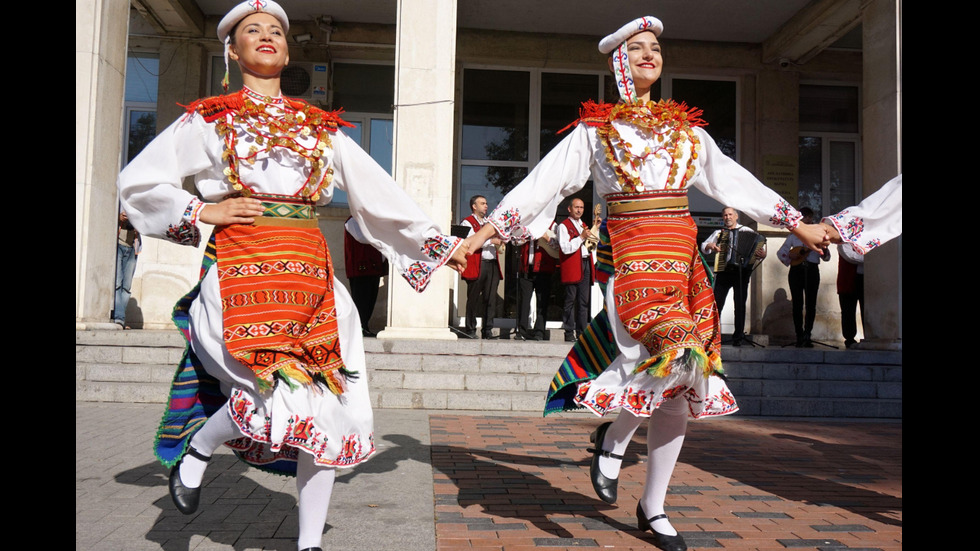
(186, 499)
(312, 549)
(606, 488)
(663, 541)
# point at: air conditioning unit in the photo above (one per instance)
(306, 80)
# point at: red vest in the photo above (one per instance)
(542, 261)
(571, 264)
(473, 260)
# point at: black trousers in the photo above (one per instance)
(481, 296)
(575, 317)
(539, 284)
(364, 292)
(726, 281)
(848, 308)
(804, 281)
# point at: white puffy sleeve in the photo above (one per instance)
(388, 219)
(528, 210)
(150, 185)
(875, 221)
(730, 184)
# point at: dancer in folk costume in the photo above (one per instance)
(654, 351)
(275, 361)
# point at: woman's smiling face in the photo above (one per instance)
(646, 60)
(259, 45)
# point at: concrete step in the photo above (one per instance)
(502, 375)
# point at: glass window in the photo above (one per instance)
(561, 97)
(495, 115)
(829, 152)
(142, 82)
(811, 173)
(364, 88)
(142, 76)
(829, 108)
(718, 100)
(142, 126)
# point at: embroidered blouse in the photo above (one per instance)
(282, 147)
(665, 148)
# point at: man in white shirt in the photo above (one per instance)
(804, 280)
(577, 270)
(482, 273)
(733, 276)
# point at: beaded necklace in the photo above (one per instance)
(667, 123)
(271, 123)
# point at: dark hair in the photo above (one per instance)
(473, 200)
(806, 211)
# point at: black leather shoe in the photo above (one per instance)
(665, 542)
(605, 488)
(312, 549)
(186, 499)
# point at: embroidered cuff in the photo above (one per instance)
(786, 216)
(186, 232)
(850, 229)
(193, 211)
(440, 248)
(508, 224)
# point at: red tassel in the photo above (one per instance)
(592, 114)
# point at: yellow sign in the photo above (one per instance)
(781, 174)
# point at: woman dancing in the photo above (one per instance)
(661, 320)
(275, 363)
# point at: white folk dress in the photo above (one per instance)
(336, 429)
(531, 206)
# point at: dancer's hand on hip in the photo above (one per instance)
(237, 210)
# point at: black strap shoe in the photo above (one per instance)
(606, 488)
(663, 541)
(186, 499)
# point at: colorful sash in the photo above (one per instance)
(277, 297)
(662, 293)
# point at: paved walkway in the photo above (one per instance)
(449, 482)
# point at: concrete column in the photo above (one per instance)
(882, 160)
(776, 108)
(425, 73)
(101, 28)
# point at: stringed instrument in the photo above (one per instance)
(802, 251)
(593, 240)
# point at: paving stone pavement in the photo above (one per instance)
(452, 481)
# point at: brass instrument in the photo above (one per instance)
(748, 246)
(593, 240)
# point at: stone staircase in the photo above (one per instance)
(502, 375)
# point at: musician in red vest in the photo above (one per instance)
(734, 276)
(482, 273)
(577, 270)
(535, 268)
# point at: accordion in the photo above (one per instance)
(747, 245)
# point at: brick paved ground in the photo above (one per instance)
(511, 483)
(521, 484)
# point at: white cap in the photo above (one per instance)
(243, 10)
(645, 23)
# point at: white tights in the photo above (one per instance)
(665, 438)
(314, 483)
